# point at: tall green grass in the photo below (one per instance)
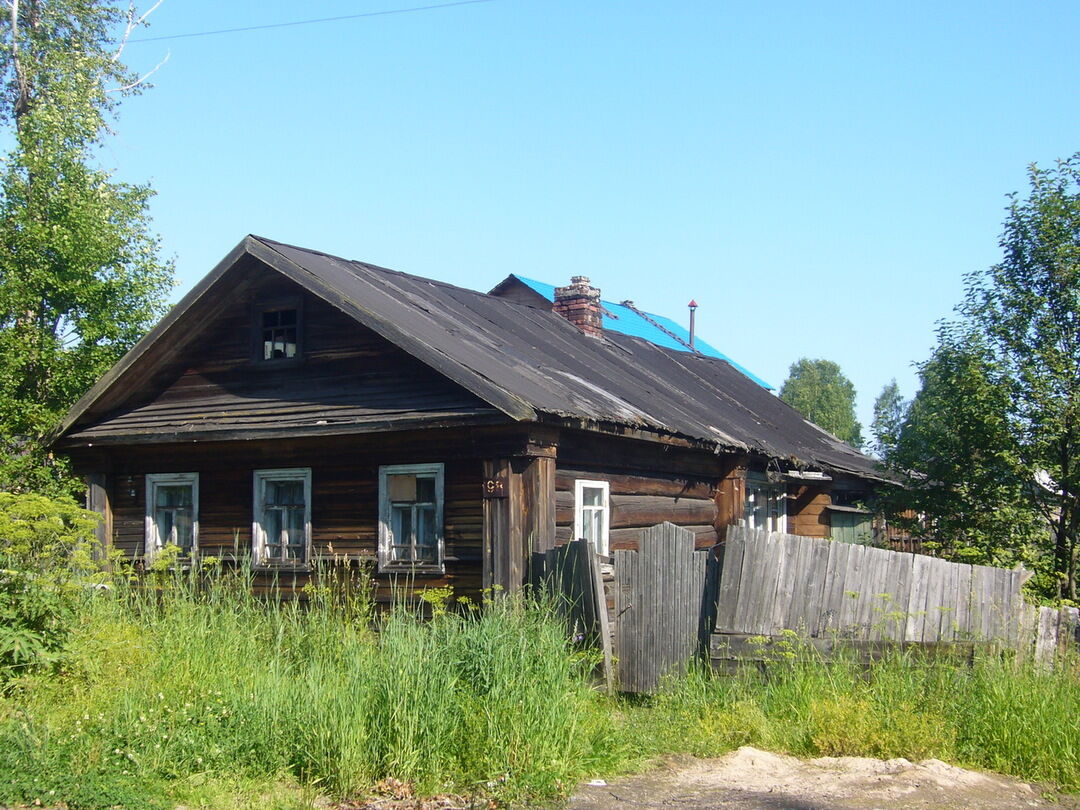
(998, 714)
(168, 688)
(194, 691)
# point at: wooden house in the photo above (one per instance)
(295, 405)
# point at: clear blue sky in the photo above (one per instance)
(819, 177)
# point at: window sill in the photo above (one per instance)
(414, 570)
(281, 566)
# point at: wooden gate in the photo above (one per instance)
(663, 606)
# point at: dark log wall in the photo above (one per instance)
(730, 500)
(346, 375)
(648, 484)
(344, 508)
(807, 512)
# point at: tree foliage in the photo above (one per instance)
(1028, 309)
(819, 391)
(989, 445)
(80, 274)
(964, 488)
(889, 412)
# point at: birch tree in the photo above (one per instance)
(81, 275)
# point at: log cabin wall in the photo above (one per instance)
(344, 497)
(808, 513)
(649, 483)
(730, 500)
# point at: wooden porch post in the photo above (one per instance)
(99, 499)
(501, 529)
(519, 512)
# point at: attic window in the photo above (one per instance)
(280, 334)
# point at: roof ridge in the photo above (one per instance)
(630, 305)
(381, 269)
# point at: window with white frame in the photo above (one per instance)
(592, 513)
(172, 512)
(411, 517)
(766, 504)
(281, 528)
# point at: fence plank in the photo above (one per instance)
(1046, 641)
(878, 594)
(938, 575)
(814, 584)
(963, 603)
(789, 550)
(900, 582)
(750, 580)
(731, 572)
(916, 606)
(848, 608)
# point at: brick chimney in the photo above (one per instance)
(580, 304)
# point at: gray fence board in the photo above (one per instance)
(774, 582)
(662, 590)
(728, 589)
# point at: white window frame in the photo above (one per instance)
(580, 485)
(386, 533)
(776, 493)
(258, 532)
(153, 543)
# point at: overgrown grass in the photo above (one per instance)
(165, 692)
(200, 693)
(998, 714)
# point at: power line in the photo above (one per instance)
(311, 22)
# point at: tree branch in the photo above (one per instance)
(134, 20)
(22, 103)
(132, 85)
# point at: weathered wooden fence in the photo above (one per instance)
(657, 607)
(774, 582)
(1055, 631)
(656, 612)
(663, 606)
(572, 573)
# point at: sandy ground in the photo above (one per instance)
(749, 779)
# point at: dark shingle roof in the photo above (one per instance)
(533, 365)
(541, 360)
(654, 328)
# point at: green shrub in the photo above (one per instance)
(45, 545)
(45, 535)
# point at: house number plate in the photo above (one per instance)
(496, 488)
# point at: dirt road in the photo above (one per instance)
(749, 779)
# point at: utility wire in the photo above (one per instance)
(310, 22)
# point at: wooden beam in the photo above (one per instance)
(538, 489)
(730, 501)
(520, 520)
(99, 499)
(497, 526)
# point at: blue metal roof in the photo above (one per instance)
(622, 319)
